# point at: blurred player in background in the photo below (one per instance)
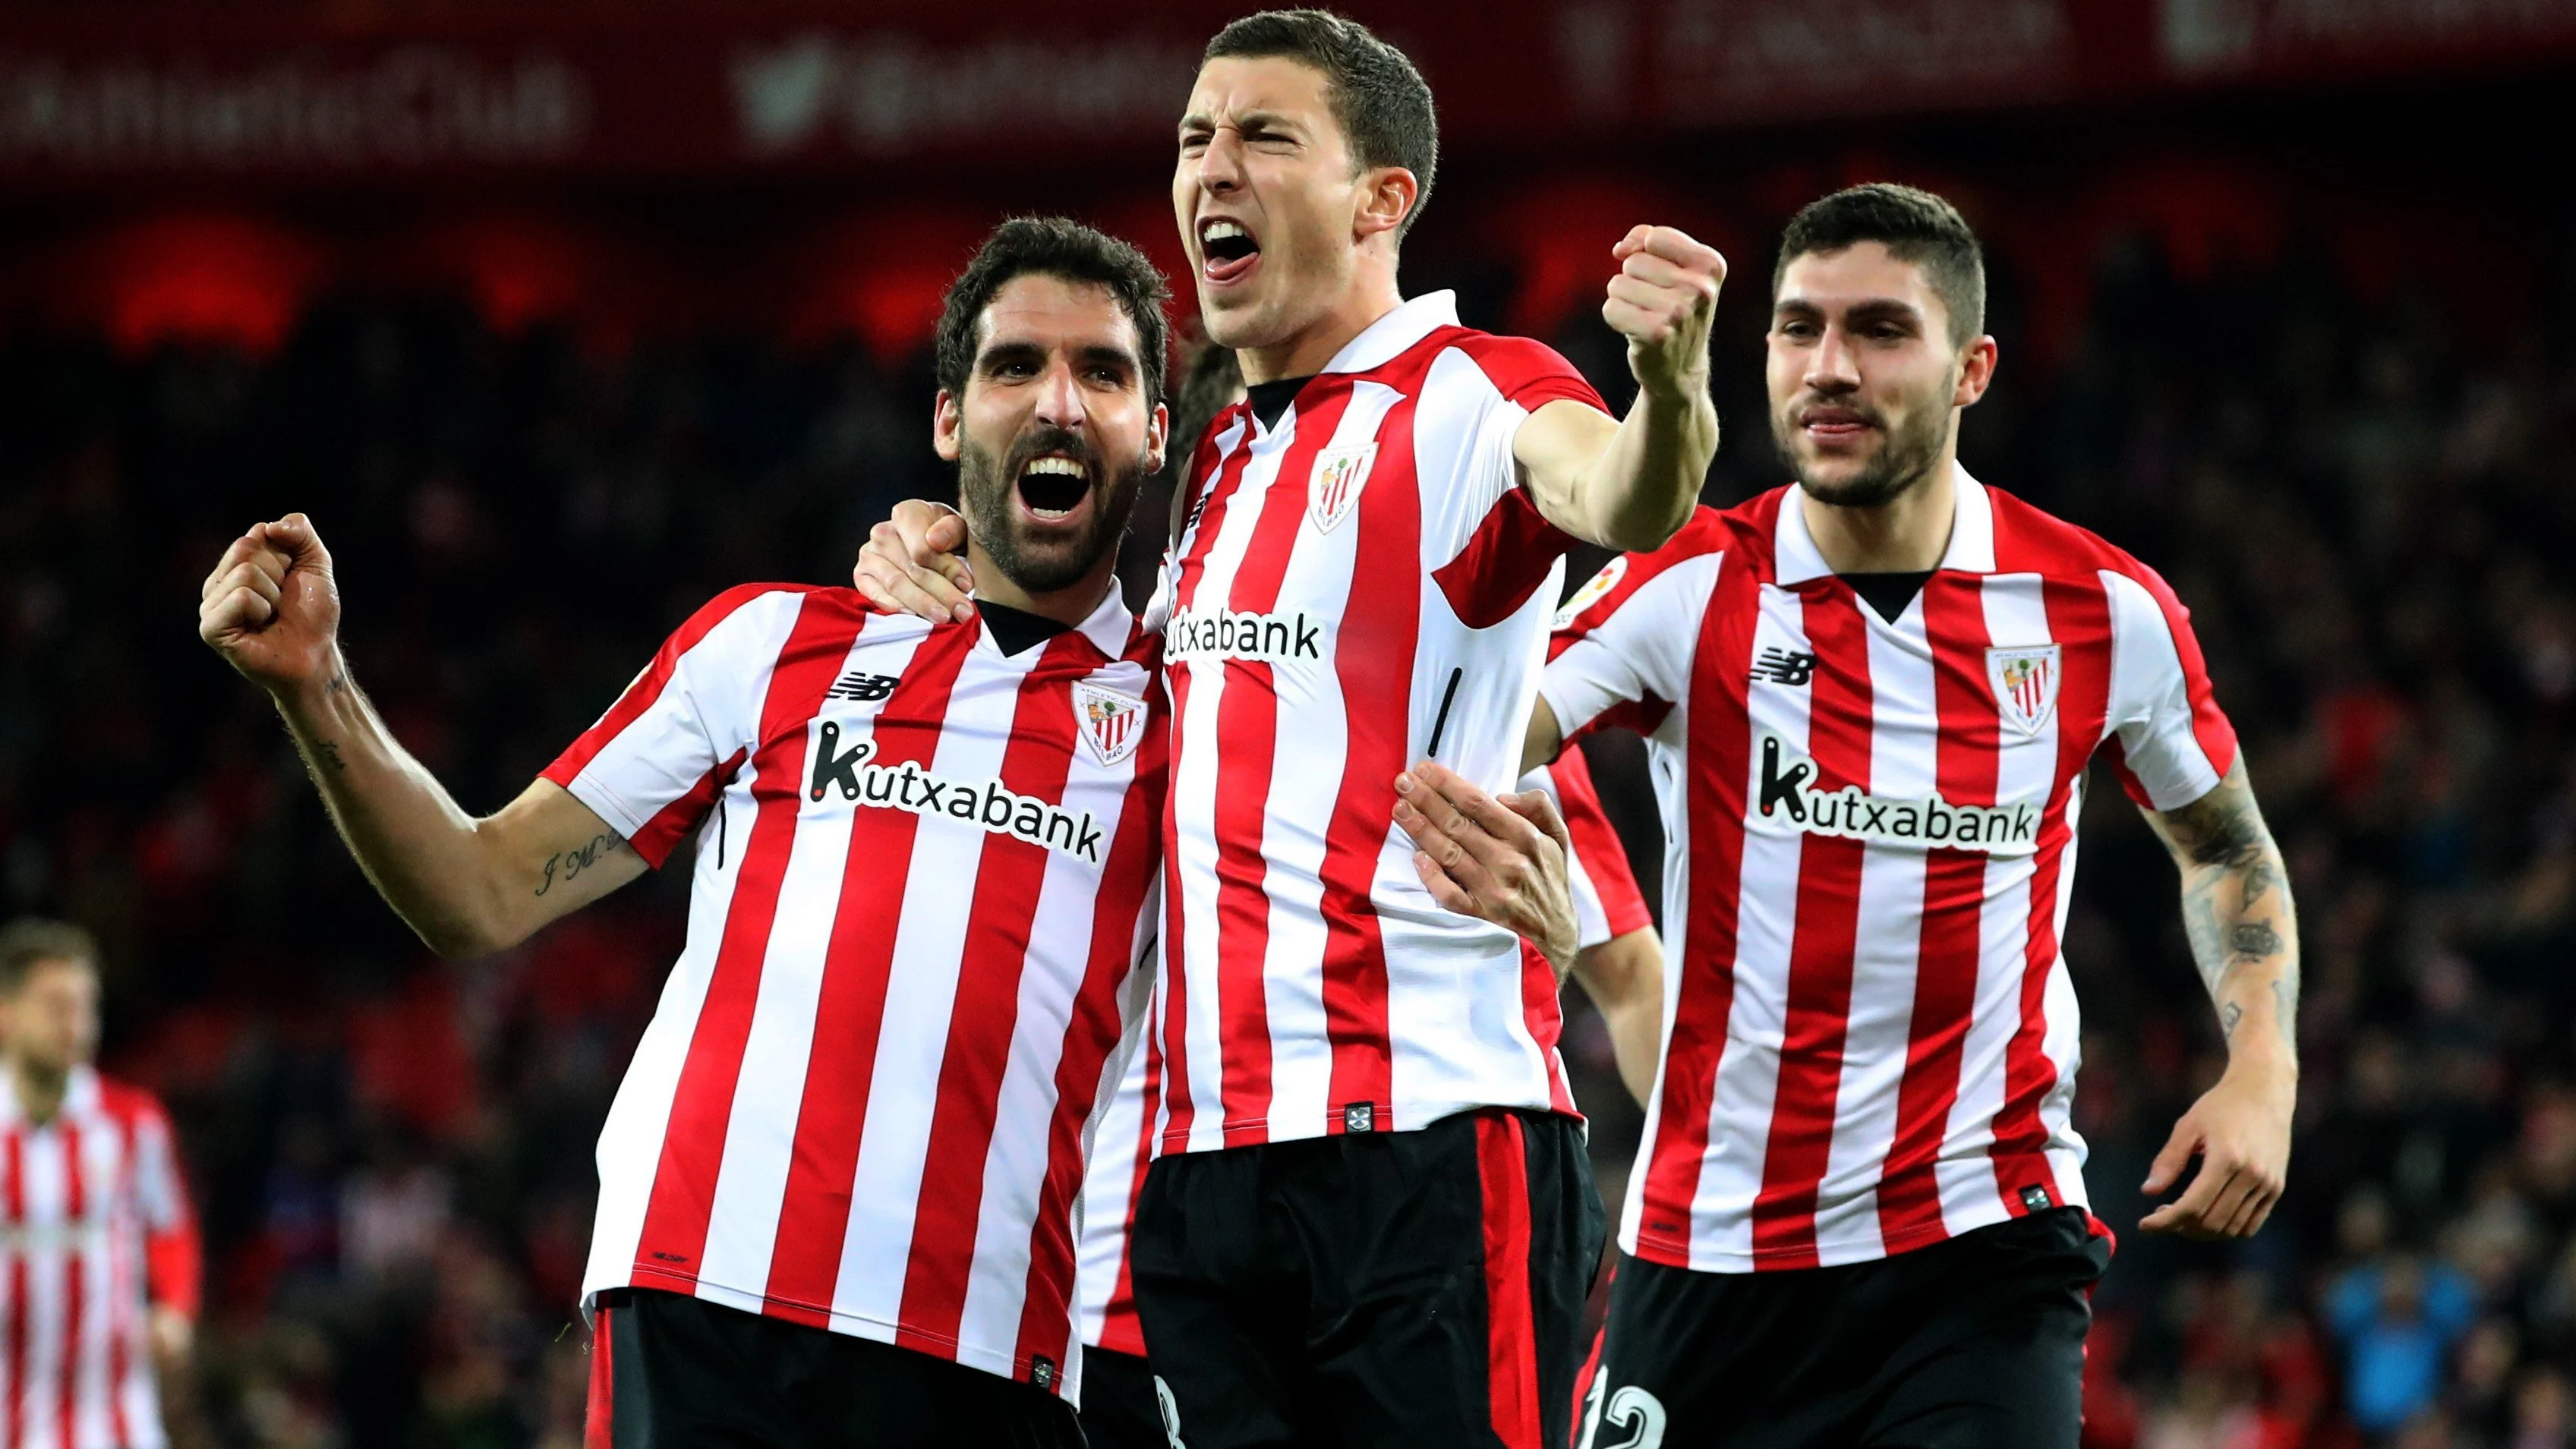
(926, 863)
(99, 1260)
(1369, 548)
(1858, 1217)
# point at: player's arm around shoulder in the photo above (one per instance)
(1631, 484)
(271, 608)
(2244, 936)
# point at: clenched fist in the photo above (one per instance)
(1662, 302)
(271, 608)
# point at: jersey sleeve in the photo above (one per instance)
(653, 764)
(2169, 742)
(173, 1258)
(1607, 903)
(1621, 654)
(1498, 546)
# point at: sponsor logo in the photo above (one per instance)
(2035, 1199)
(986, 803)
(1041, 1370)
(1784, 666)
(1785, 791)
(1334, 490)
(1592, 592)
(1359, 1117)
(1112, 723)
(2025, 684)
(1279, 638)
(860, 686)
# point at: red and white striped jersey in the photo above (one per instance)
(94, 1229)
(1607, 904)
(926, 871)
(1360, 585)
(1870, 1043)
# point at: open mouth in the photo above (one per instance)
(1226, 248)
(1053, 486)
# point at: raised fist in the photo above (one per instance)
(1662, 302)
(271, 607)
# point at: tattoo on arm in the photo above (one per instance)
(329, 753)
(571, 863)
(2236, 904)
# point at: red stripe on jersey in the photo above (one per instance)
(1529, 373)
(1541, 1009)
(1036, 763)
(1381, 621)
(1511, 1352)
(597, 1419)
(639, 696)
(1720, 763)
(1078, 1074)
(683, 1193)
(663, 832)
(1604, 858)
(1247, 720)
(15, 1205)
(2209, 725)
(1510, 554)
(2079, 619)
(1120, 1329)
(1818, 1013)
(1173, 1028)
(1967, 762)
(814, 1210)
(75, 1285)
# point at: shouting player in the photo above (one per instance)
(98, 1251)
(837, 1184)
(1858, 1218)
(1372, 1220)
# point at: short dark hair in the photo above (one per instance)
(32, 939)
(1380, 101)
(1915, 226)
(1053, 246)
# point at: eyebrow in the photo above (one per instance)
(1248, 121)
(1099, 354)
(1875, 309)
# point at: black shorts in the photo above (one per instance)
(1120, 1407)
(1398, 1288)
(1974, 1343)
(668, 1370)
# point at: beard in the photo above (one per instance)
(986, 487)
(1904, 459)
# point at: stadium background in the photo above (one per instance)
(559, 319)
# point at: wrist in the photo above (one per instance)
(316, 698)
(2270, 1064)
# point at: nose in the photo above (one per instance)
(1832, 365)
(1059, 397)
(1221, 162)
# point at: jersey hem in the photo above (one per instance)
(1256, 1131)
(1667, 1251)
(1001, 1363)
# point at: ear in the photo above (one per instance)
(1386, 197)
(947, 425)
(1976, 372)
(1158, 437)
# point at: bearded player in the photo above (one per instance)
(1372, 1220)
(1858, 1218)
(837, 1184)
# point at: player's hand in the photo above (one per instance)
(1500, 860)
(271, 607)
(914, 563)
(171, 1333)
(2240, 1131)
(1662, 301)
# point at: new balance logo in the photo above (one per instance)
(986, 803)
(861, 686)
(1785, 794)
(1781, 666)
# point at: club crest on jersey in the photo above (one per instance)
(1112, 723)
(1594, 588)
(1334, 490)
(2025, 684)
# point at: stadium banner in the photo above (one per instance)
(99, 94)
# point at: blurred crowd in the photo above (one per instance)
(2365, 497)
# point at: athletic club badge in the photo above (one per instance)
(1113, 724)
(2025, 684)
(1334, 491)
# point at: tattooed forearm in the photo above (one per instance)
(571, 863)
(2254, 938)
(328, 752)
(2236, 905)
